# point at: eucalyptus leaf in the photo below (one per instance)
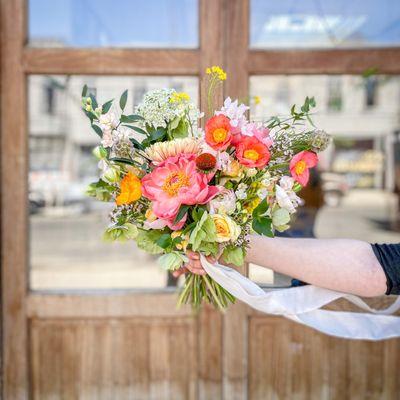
(97, 129)
(106, 107)
(123, 99)
(84, 90)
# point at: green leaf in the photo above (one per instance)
(181, 213)
(136, 144)
(146, 240)
(233, 255)
(181, 131)
(263, 226)
(106, 107)
(208, 248)
(172, 261)
(100, 190)
(137, 129)
(158, 134)
(91, 116)
(122, 160)
(261, 209)
(164, 241)
(131, 118)
(280, 217)
(122, 233)
(204, 230)
(94, 101)
(97, 129)
(123, 99)
(84, 90)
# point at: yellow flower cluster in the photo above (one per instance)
(257, 100)
(179, 97)
(217, 71)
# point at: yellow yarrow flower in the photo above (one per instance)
(217, 71)
(257, 100)
(179, 97)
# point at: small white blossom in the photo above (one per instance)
(107, 139)
(108, 121)
(251, 172)
(241, 192)
(285, 195)
(262, 193)
(235, 112)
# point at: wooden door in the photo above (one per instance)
(135, 345)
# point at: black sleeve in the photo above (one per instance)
(389, 257)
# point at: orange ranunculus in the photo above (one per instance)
(218, 132)
(131, 189)
(252, 153)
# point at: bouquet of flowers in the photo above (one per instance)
(176, 186)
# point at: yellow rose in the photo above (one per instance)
(226, 227)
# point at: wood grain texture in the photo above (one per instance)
(290, 361)
(140, 358)
(13, 201)
(104, 305)
(110, 61)
(352, 61)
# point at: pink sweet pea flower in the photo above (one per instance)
(300, 164)
(174, 183)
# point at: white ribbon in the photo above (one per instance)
(302, 304)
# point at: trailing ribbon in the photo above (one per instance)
(303, 305)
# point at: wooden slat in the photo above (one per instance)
(111, 61)
(386, 61)
(124, 359)
(291, 361)
(13, 201)
(103, 306)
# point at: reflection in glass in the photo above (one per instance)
(357, 177)
(103, 23)
(324, 24)
(67, 251)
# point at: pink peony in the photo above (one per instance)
(176, 182)
(300, 164)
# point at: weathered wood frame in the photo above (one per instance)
(223, 41)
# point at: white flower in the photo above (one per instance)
(262, 193)
(241, 192)
(251, 172)
(108, 121)
(107, 139)
(224, 203)
(285, 195)
(234, 111)
(223, 160)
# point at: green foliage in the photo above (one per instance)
(147, 241)
(172, 261)
(280, 217)
(262, 224)
(84, 91)
(106, 107)
(123, 99)
(130, 118)
(233, 255)
(181, 213)
(100, 190)
(97, 129)
(208, 248)
(179, 128)
(204, 230)
(121, 233)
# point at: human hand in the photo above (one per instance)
(194, 265)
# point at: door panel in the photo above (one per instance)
(139, 358)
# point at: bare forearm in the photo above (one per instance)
(345, 265)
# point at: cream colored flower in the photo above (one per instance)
(226, 227)
(159, 152)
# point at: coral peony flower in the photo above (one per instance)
(218, 132)
(174, 183)
(131, 189)
(300, 164)
(252, 153)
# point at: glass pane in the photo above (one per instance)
(324, 24)
(104, 23)
(66, 246)
(355, 193)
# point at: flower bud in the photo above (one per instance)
(111, 175)
(99, 152)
